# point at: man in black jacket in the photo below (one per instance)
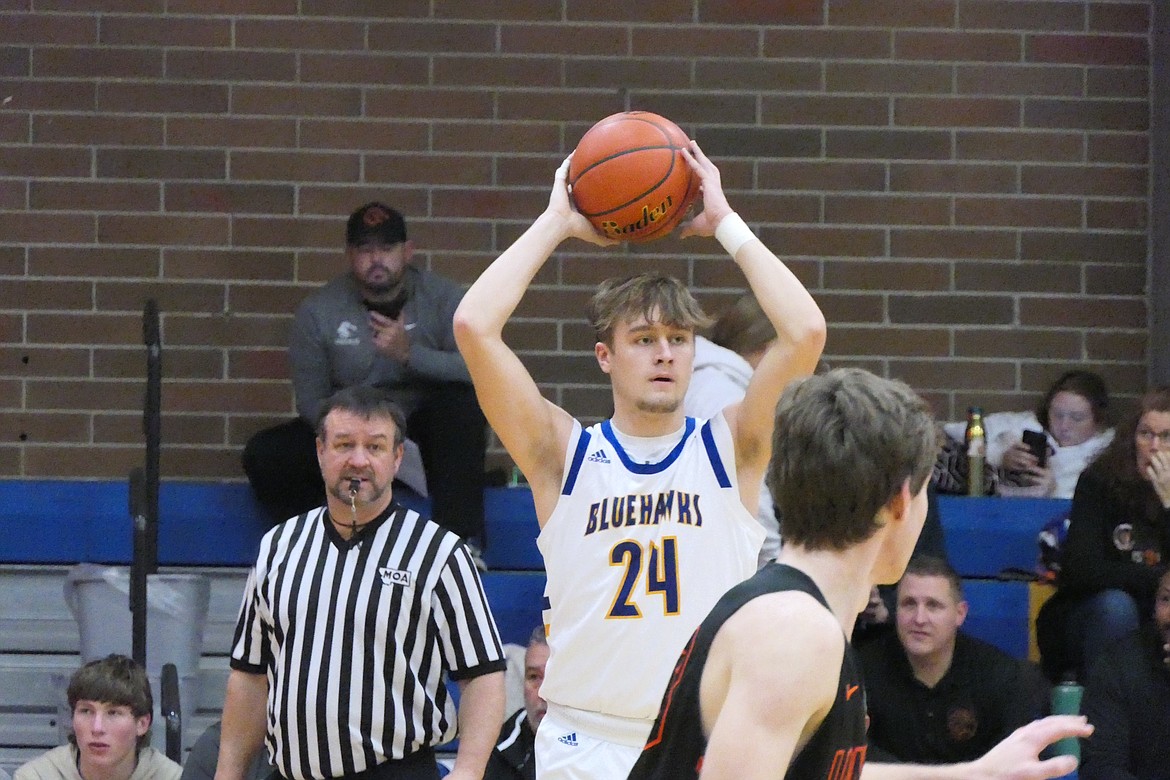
(513, 759)
(937, 696)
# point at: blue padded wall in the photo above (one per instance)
(985, 536)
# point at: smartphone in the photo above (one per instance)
(1037, 442)
(391, 308)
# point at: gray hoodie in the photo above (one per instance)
(720, 379)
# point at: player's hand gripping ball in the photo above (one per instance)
(628, 176)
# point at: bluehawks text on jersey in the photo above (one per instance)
(647, 509)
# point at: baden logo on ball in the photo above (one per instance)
(629, 178)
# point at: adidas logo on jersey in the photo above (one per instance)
(568, 739)
(598, 457)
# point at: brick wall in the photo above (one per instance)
(963, 184)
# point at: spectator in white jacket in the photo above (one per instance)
(1074, 415)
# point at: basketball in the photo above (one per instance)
(628, 176)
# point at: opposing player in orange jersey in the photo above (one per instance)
(769, 686)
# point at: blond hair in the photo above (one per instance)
(656, 297)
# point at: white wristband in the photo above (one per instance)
(733, 233)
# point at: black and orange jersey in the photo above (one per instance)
(675, 748)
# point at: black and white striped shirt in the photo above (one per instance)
(356, 637)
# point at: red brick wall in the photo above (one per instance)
(963, 184)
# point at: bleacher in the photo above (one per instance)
(211, 529)
(992, 544)
(214, 529)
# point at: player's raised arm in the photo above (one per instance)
(799, 323)
(532, 429)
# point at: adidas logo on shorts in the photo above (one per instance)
(568, 739)
(598, 457)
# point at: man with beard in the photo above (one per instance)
(384, 323)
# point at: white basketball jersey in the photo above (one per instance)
(636, 555)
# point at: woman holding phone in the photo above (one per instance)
(1043, 453)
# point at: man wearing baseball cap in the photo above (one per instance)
(384, 322)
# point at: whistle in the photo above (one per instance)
(354, 486)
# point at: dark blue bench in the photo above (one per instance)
(200, 523)
(515, 598)
(988, 536)
(999, 613)
(220, 524)
(511, 529)
(984, 536)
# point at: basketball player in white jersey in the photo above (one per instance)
(645, 518)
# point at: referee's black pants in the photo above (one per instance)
(420, 765)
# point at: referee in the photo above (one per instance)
(353, 617)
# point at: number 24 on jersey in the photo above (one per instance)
(659, 563)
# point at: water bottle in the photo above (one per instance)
(516, 479)
(976, 451)
(1066, 700)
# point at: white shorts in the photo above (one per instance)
(566, 751)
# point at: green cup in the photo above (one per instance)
(1066, 700)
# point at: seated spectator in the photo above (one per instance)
(512, 758)
(388, 324)
(1117, 544)
(1127, 699)
(723, 367)
(875, 619)
(936, 695)
(1074, 415)
(201, 761)
(112, 711)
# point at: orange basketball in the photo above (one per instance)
(629, 178)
